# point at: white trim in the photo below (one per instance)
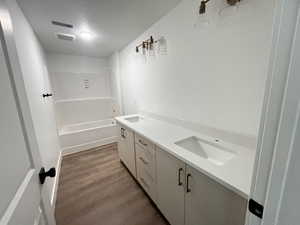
(62, 132)
(38, 217)
(15, 201)
(89, 145)
(108, 98)
(56, 181)
(285, 141)
(283, 33)
(290, 153)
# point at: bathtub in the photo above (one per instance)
(83, 136)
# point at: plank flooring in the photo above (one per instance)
(96, 189)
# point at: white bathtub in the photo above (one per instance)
(83, 136)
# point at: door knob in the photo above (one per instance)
(43, 174)
(47, 95)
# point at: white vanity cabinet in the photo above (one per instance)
(187, 197)
(126, 149)
(208, 202)
(184, 195)
(170, 187)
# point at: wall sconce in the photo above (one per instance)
(147, 45)
(151, 48)
(203, 19)
(202, 8)
(203, 3)
(231, 9)
(232, 2)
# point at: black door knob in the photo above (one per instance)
(43, 174)
(47, 95)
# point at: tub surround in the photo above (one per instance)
(235, 174)
(84, 104)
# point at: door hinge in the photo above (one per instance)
(256, 208)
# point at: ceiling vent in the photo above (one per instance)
(61, 24)
(66, 37)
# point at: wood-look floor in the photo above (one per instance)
(96, 189)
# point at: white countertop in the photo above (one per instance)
(236, 174)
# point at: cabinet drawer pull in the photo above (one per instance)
(179, 177)
(123, 133)
(143, 160)
(188, 189)
(144, 183)
(142, 143)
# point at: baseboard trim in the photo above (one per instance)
(55, 185)
(86, 146)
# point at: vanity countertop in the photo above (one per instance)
(236, 174)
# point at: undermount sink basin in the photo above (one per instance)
(214, 152)
(133, 119)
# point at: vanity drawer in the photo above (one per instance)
(146, 180)
(146, 158)
(143, 142)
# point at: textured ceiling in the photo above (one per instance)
(114, 23)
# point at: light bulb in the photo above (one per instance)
(86, 35)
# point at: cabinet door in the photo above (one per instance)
(208, 202)
(126, 150)
(130, 152)
(170, 187)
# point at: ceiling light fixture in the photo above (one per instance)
(66, 37)
(86, 35)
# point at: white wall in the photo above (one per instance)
(35, 75)
(212, 76)
(74, 102)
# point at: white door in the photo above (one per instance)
(34, 70)
(274, 179)
(170, 187)
(208, 202)
(283, 199)
(130, 151)
(23, 200)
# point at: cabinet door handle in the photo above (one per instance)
(142, 143)
(179, 177)
(143, 160)
(188, 189)
(122, 133)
